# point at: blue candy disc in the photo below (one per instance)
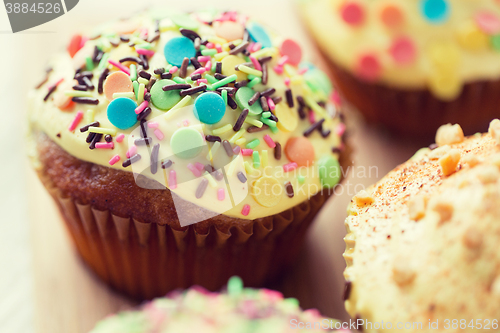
(209, 108)
(259, 34)
(435, 11)
(121, 112)
(177, 49)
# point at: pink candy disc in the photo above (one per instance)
(293, 50)
(368, 67)
(488, 22)
(403, 50)
(352, 13)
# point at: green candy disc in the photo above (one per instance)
(184, 21)
(242, 96)
(164, 100)
(329, 171)
(186, 143)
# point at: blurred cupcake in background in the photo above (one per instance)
(413, 65)
(236, 310)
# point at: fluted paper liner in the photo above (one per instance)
(146, 260)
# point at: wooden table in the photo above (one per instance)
(69, 298)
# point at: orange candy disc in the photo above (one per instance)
(300, 150)
(117, 82)
(229, 30)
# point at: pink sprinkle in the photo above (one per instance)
(153, 124)
(203, 58)
(233, 16)
(335, 97)
(131, 151)
(201, 81)
(141, 107)
(312, 118)
(247, 152)
(148, 53)
(56, 83)
(83, 41)
(120, 137)
(185, 122)
(221, 194)
(302, 71)
(218, 48)
(236, 150)
(273, 294)
(159, 134)
(256, 46)
(269, 141)
(120, 66)
(278, 69)
(283, 60)
(114, 159)
(172, 179)
(144, 33)
(208, 65)
(194, 170)
(200, 70)
(76, 121)
(290, 167)
(255, 63)
(199, 166)
(271, 104)
(210, 45)
(287, 81)
(173, 69)
(340, 130)
(105, 145)
(246, 210)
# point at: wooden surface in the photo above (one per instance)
(69, 298)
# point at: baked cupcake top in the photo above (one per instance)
(412, 44)
(198, 310)
(212, 105)
(423, 242)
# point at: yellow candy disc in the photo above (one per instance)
(444, 54)
(228, 64)
(471, 38)
(267, 191)
(287, 118)
(445, 85)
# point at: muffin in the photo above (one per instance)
(183, 149)
(422, 243)
(412, 65)
(236, 310)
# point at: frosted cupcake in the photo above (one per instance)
(413, 65)
(237, 310)
(184, 149)
(422, 243)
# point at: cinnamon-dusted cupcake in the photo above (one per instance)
(236, 310)
(422, 243)
(413, 65)
(186, 149)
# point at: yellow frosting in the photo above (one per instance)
(422, 245)
(45, 116)
(460, 48)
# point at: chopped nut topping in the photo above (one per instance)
(439, 152)
(416, 208)
(403, 273)
(363, 199)
(471, 160)
(445, 211)
(488, 174)
(472, 238)
(449, 161)
(494, 130)
(449, 134)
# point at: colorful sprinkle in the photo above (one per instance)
(290, 167)
(114, 159)
(221, 194)
(76, 121)
(172, 179)
(246, 210)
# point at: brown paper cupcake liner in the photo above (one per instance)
(146, 260)
(418, 113)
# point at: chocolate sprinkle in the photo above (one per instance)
(81, 75)
(143, 141)
(45, 78)
(144, 74)
(159, 71)
(268, 92)
(265, 74)
(166, 164)
(201, 188)
(241, 119)
(51, 90)
(347, 290)
(86, 127)
(277, 151)
(219, 76)
(241, 177)
(145, 62)
(90, 137)
(144, 113)
(228, 148)
(289, 189)
(193, 90)
(277, 99)
(124, 39)
(239, 48)
(289, 98)
(80, 87)
(240, 84)
(273, 117)
(166, 76)
(326, 133)
(184, 66)
(147, 96)
(144, 129)
(254, 98)
(155, 37)
(108, 138)
(230, 90)
(95, 140)
(195, 77)
(189, 34)
(253, 129)
(132, 59)
(178, 86)
(150, 84)
(195, 63)
(336, 150)
(313, 127)
(154, 158)
(102, 77)
(218, 67)
(232, 104)
(85, 100)
(263, 103)
(263, 60)
(301, 101)
(88, 83)
(212, 138)
(131, 160)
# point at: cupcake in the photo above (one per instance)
(183, 149)
(412, 65)
(422, 243)
(236, 310)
